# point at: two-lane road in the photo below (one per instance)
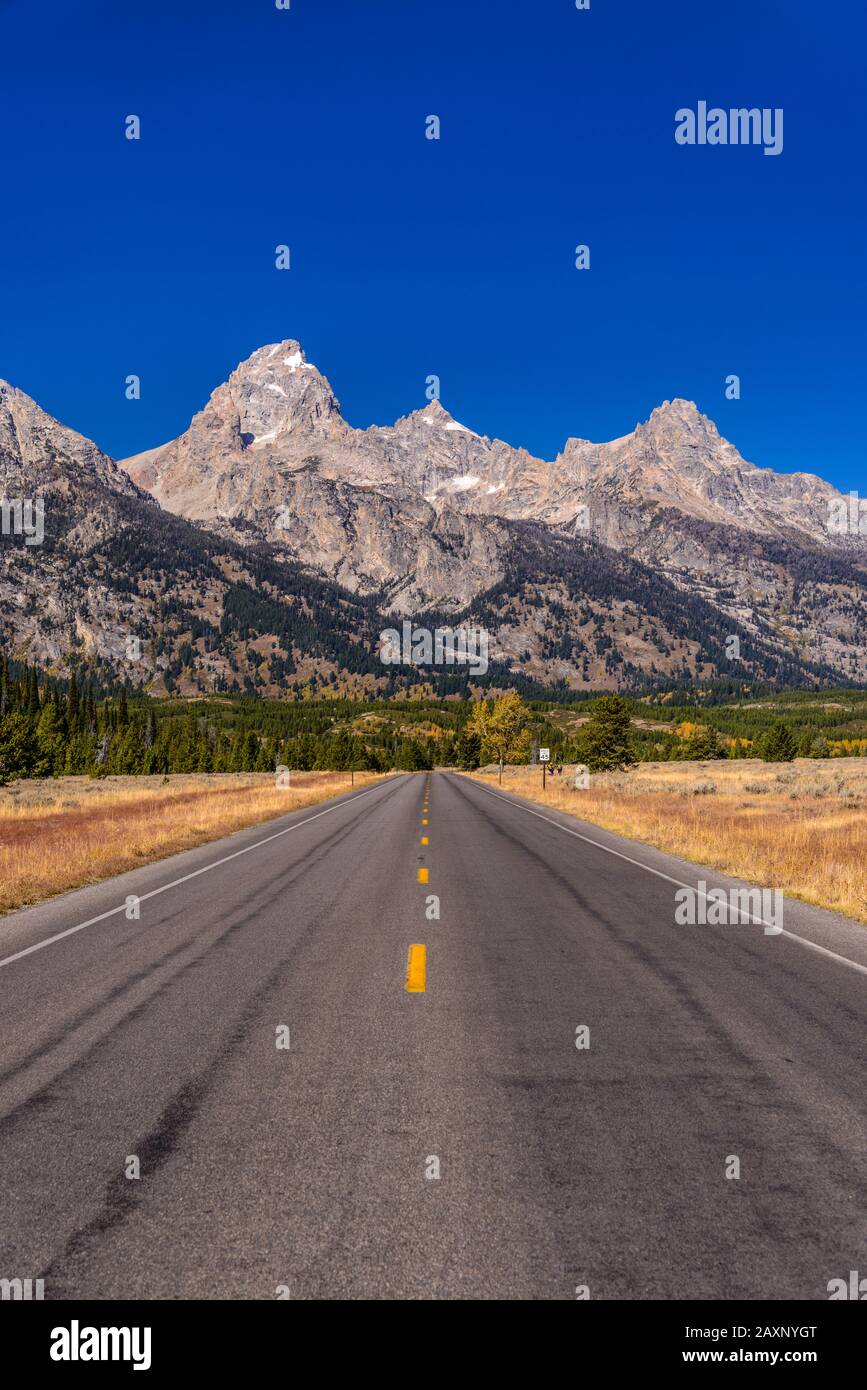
(313, 1167)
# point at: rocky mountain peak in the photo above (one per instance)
(681, 419)
(274, 359)
(273, 431)
(37, 451)
(678, 408)
(274, 392)
(422, 514)
(435, 416)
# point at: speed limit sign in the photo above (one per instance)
(544, 755)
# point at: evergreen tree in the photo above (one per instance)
(50, 742)
(204, 759)
(250, 752)
(703, 746)
(72, 703)
(778, 744)
(468, 751)
(603, 744)
(18, 751)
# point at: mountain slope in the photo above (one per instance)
(420, 514)
(122, 584)
(278, 415)
(268, 547)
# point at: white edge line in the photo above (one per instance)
(155, 892)
(758, 921)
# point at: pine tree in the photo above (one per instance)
(204, 760)
(251, 752)
(778, 744)
(703, 746)
(18, 751)
(72, 704)
(468, 751)
(50, 741)
(603, 744)
(33, 705)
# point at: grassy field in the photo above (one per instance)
(64, 833)
(800, 827)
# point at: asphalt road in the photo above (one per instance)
(310, 1168)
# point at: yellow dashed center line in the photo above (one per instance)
(416, 964)
(416, 969)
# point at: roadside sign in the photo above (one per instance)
(544, 755)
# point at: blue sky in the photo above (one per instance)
(454, 257)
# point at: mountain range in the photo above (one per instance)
(269, 544)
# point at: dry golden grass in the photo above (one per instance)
(57, 835)
(801, 826)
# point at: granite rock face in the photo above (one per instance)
(35, 451)
(277, 420)
(609, 565)
(420, 511)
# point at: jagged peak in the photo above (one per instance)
(435, 414)
(7, 389)
(287, 353)
(275, 386)
(680, 413)
(678, 405)
(18, 402)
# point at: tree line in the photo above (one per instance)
(52, 726)
(54, 729)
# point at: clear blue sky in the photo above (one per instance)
(456, 257)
